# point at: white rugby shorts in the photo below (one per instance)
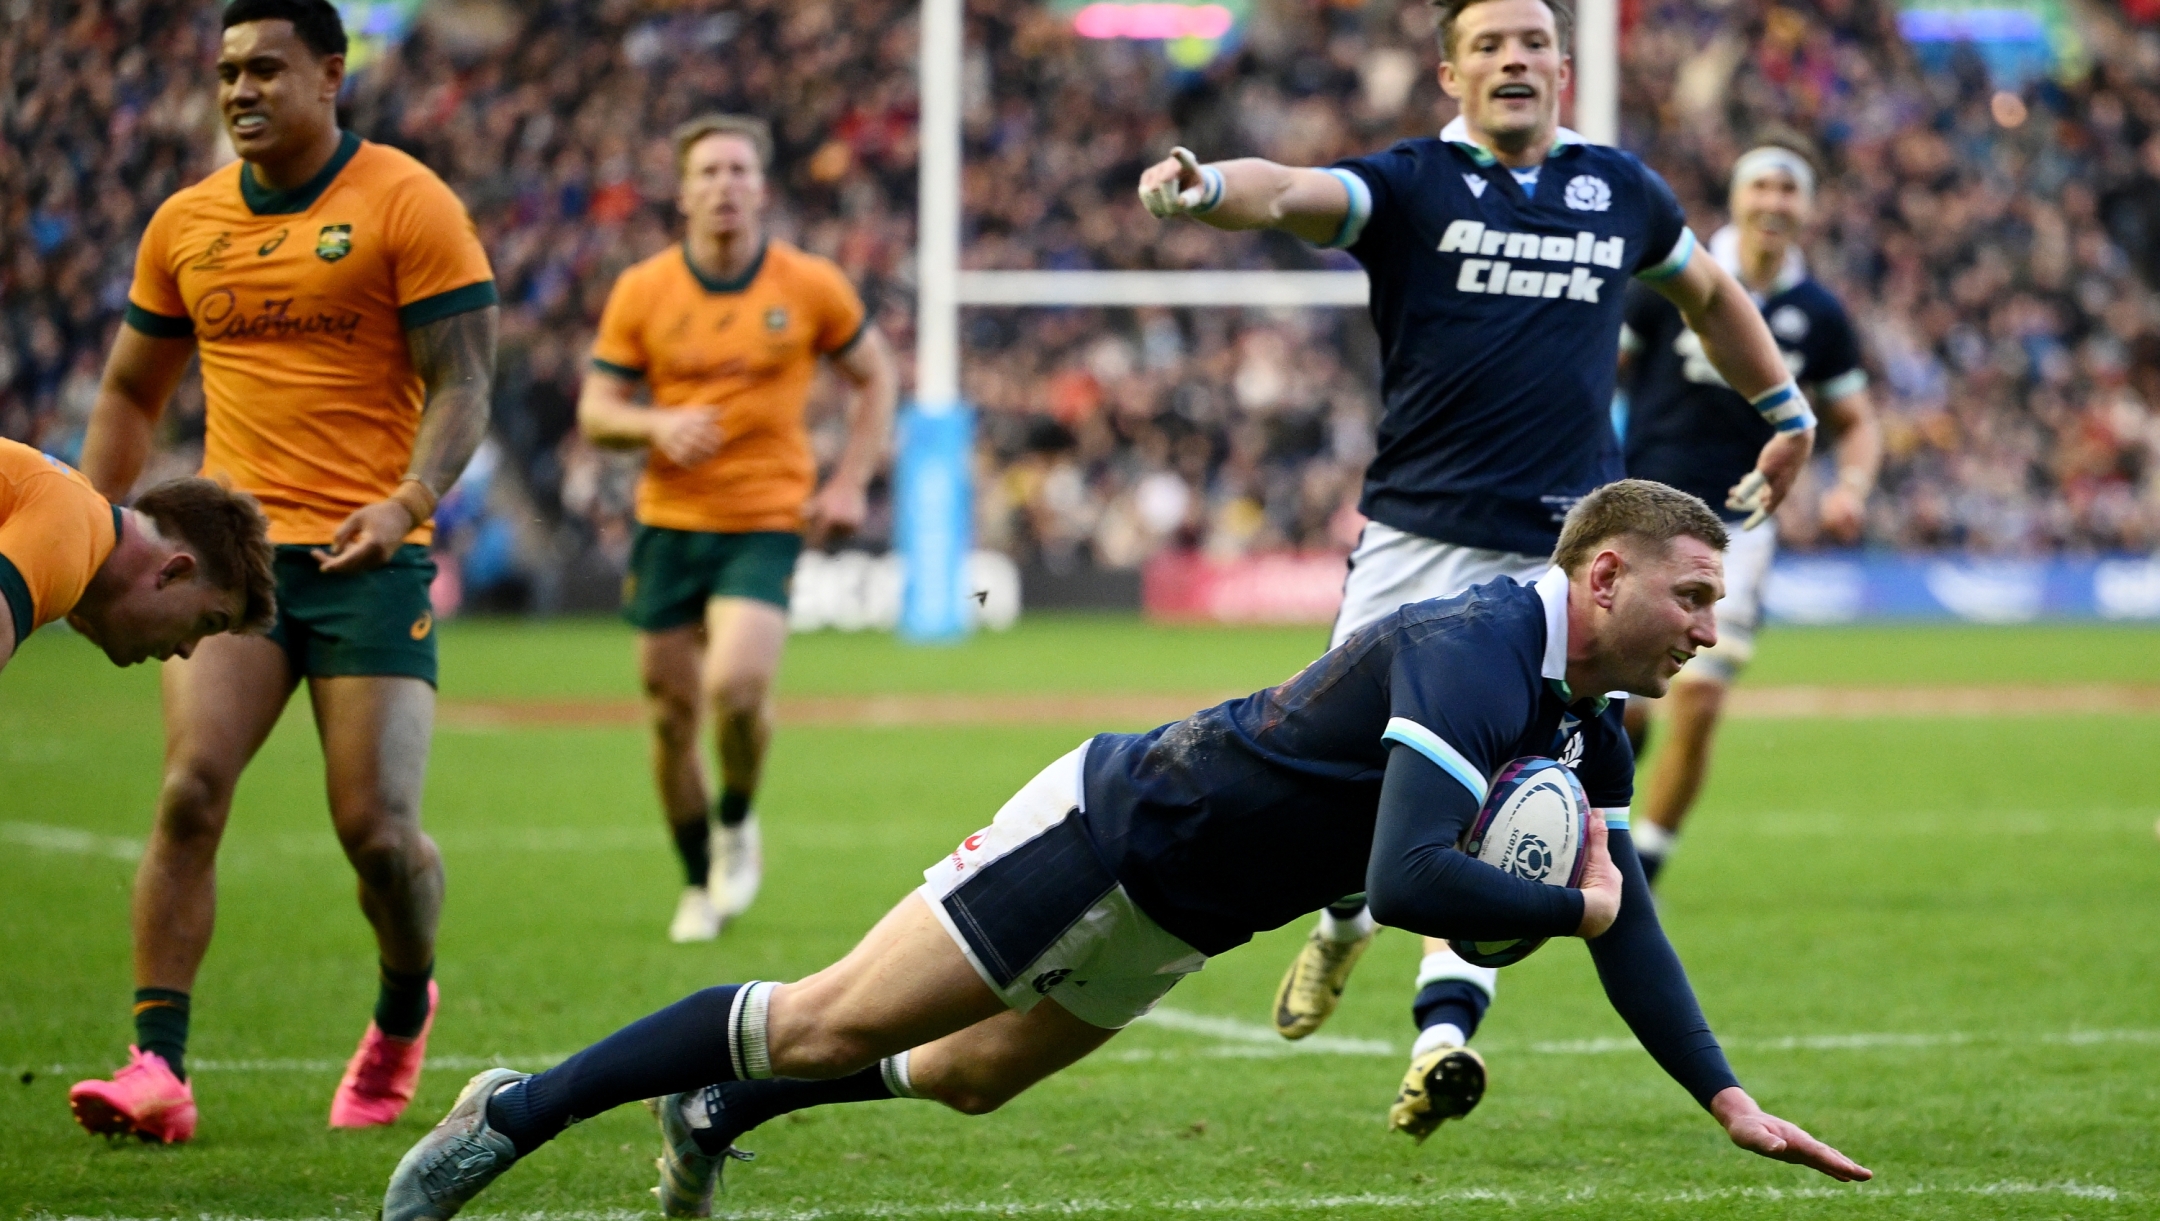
(1748, 556)
(1392, 568)
(1030, 902)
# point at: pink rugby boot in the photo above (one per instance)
(382, 1075)
(144, 1100)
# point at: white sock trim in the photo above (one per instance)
(1443, 965)
(1356, 928)
(693, 1110)
(747, 1050)
(1439, 1034)
(895, 1071)
(1652, 840)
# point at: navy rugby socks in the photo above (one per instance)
(693, 842)
(733, 807)
(401, 1002)
(678, 1049)
(1450, 1000)
(161, 1026)
(738, 1106)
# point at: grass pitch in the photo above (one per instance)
(1926, 939)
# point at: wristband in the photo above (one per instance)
(421, 514)
(1211, 178)
(1784, 408)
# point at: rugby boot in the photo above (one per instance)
(738, 867)
(688, 1175)
(456, 1159)
(145, 1100)
(695, 919)
(1444, 1083)
(382, 1075)
(1313, 985)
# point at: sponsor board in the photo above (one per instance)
(1820, 587)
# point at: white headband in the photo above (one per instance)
(1756, 162)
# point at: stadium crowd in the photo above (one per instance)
(1999, 248)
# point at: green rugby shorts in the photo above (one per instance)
(377, 622)
(674, 573)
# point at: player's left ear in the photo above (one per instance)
(333, 76)
(1604, 571)
(179, 566)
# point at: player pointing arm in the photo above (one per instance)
(1316, 204)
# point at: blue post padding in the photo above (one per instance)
(933, 528)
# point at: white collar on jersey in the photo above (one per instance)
(1457, 132)
(1552, 588)
(1725, 248)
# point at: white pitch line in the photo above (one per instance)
(46, 838)
(70, 840)
(1237, 1040)
(1389, 1202)
(1234, 1031)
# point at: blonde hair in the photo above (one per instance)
(757, 131)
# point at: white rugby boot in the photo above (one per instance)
(738, 867)
(695, 917)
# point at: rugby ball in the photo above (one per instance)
(1533, 825)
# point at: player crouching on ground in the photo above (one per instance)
(1126, 864)
(190, 560)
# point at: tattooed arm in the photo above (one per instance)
(455, 357)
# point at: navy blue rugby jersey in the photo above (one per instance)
(1685, 426)
(1499, 319)
(1259, 811)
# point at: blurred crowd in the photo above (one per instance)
(1998, 242)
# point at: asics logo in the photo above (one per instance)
(1504, 276)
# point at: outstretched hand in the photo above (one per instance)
(1600, 881)
(1173, 186)
(1758, 1131)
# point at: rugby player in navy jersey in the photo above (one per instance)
(1129, 862)
(1499, 254)
(1688, 428)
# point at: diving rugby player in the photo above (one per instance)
(1688, 428)
(1499, 254)
(1131, 861)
